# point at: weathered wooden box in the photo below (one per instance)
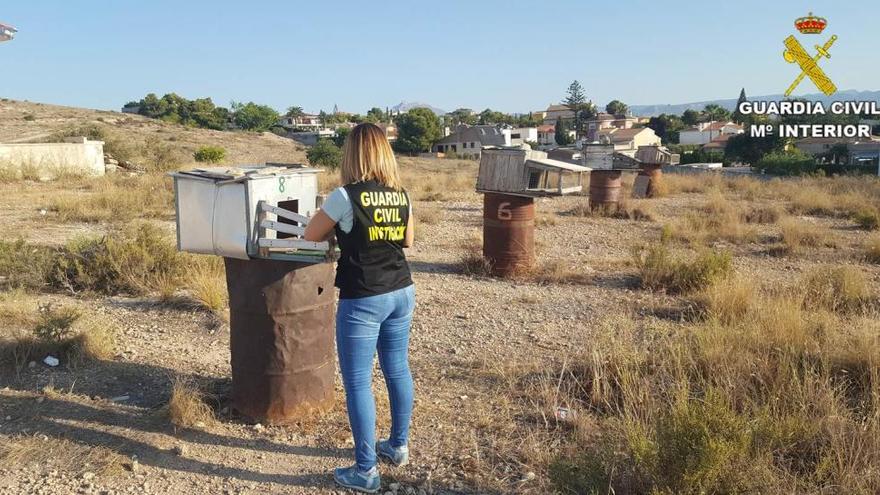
(526, 172)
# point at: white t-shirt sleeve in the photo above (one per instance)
(337, 206)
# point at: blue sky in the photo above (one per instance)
(508, 55)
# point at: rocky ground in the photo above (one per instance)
(101, 428)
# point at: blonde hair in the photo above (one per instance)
(367, 155)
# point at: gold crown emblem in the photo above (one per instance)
(810, 24)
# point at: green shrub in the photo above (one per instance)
(139, 261)
(787, 163)
(210, 154)
(867, 219)
(56, 324)
(29, 117)
(24, 266)
(660, 270)
(325, 154)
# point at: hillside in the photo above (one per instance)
(138, 136)
(730, 103)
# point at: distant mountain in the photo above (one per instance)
(406, 106)
(678, 109)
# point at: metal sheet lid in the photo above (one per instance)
(246, 171)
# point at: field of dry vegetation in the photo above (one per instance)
(723, 338)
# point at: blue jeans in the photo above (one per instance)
(363, 326)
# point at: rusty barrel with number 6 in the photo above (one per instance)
(508, 233)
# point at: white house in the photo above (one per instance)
(467, 141)
(520, 135)
(705, 132)
(304, 121)
(628, 140)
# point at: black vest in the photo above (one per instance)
(371, 261)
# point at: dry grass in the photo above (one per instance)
(328, 181)
(546, 220)
(690, 182)
(728, 299)
(205, 277)
(116, 199)
(717, 220)
(763, 214)
(428, 215)
(660, 269)
(640, 210)
(835, 288)
(793, 409)
(872, 250)
(17, 309)
(62, 455)
(472, 261)
(554, 272)
(95, 339)
(437, 180)
(796, 235)
(187, 407)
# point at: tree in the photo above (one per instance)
(325, 154)
(690, 117)
(666, 127)
(294, 112)
(562, 138)
(200, 112)
(526, 120)
(491, 117)
(744, 148)
(616, 107)
(417, 130)
(375, 115)
(253, 117)
(716, 112)
(576, 101)
(341, 134)
(738, 117)
(462, 116)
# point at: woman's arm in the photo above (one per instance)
(410, 235)
(319, 228)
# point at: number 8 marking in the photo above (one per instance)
(281, 184)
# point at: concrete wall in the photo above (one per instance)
(48, 160)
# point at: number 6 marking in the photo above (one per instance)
(504, 211)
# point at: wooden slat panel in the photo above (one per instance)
(294, 244)
(282, 227)
(281, 212)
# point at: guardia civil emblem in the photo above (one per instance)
(795, 53)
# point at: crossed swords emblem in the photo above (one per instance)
(795, 53)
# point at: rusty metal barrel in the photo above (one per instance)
(604, 188)
(281, 338)
(654, 172)
(508, 233)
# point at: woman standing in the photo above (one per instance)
(372, 218)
